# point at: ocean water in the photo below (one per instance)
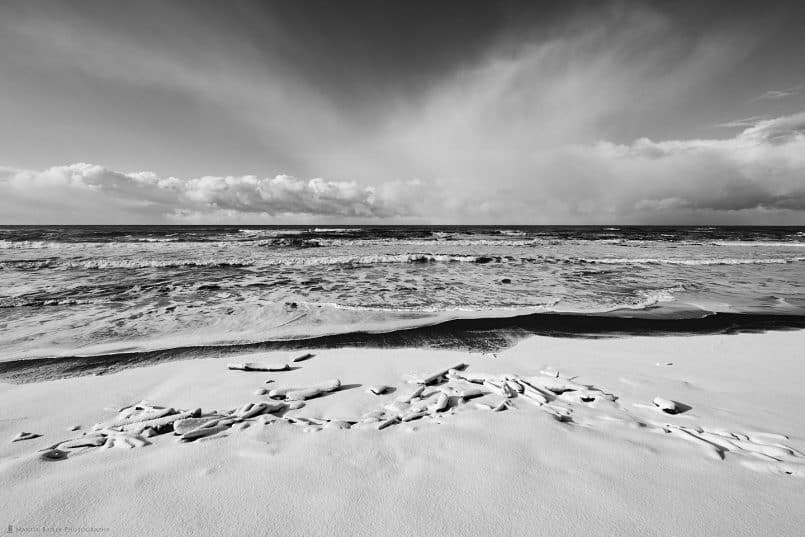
(75, 291)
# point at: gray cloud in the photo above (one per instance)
(778, 130)
(742, 123)
(775, 95)
(758, 174)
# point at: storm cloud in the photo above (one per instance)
(581, 112)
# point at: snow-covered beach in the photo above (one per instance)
(577, 444)
(380, 269)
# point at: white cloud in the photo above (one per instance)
(98, 194)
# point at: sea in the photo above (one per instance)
(78, 299)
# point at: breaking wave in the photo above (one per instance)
(693, 262)
(758, 244)
(411, 258)
(27, 245)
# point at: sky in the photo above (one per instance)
(275, 112)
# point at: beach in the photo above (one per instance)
(381, 269)
(600, 457)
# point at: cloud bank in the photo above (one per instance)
(757, 176)
(89, 193)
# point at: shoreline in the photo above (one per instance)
(468, 470)
(474, 334)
